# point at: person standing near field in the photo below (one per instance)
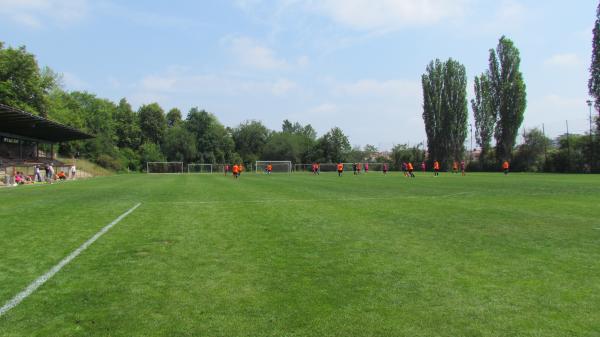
(340, 169)
(454, 167)
(462, 168)
(318, 168)
(353, 168)
(505, 167)
(410, 168)
(385, 168)
(269, 169)
(423, 166)
(236, 171)
(226, 169)
(366, 166)
(436, 168)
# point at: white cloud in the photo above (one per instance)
(388, 14)
(251, 53)
(35, 13)
(283, 86)
(73, 82)
(567, 60)
(370, 87)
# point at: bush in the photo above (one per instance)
(109, 162)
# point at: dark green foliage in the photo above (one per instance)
(153, 123)
(173, 117)
(180, 144)
(334, 146)
(445, 109)
(530, 156)
(127, 126)
(485, 115)
(402, 153)
(250, 139)
(22, 84)
(594, 81)
(509, 95)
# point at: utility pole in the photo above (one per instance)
(545, 150)
(568, 149)
(589, 103)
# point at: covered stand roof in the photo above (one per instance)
(19, 123)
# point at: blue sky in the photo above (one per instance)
(355, 64)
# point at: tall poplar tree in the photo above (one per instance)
(594, 82)
(485, 114)
(445, 109)
(509, 96)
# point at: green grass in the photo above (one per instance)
(299, 255)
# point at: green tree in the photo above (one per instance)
(173, 117)
(402, 153)
(485, 115)
(455, 108)
(150, 152)
(284, 146)
(153, 123)
(509, 95)
(214, 143)
(127, 126)
(179, 144)
(529, 156)
(334, 146)
(594, 81)
(445, 109)
(22, 84)
(250, 139)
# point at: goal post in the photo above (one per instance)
(279, 166)
(200, 168)
(164, 167)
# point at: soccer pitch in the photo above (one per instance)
(304, 255)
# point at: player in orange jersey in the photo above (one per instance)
(505, 167)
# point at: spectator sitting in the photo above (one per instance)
(19, 178)
(61, 175)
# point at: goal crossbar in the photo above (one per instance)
(282, 166)
(200, 168)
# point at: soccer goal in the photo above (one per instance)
(200, 168)
(164, 167)
(279, 166)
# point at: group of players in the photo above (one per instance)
(407, 168)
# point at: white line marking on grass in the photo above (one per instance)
(42, 279)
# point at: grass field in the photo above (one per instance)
(300, 255)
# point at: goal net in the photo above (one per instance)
(200, 168)
(280, 166)
(164, 167)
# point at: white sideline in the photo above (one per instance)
(42, 279)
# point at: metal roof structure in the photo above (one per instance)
(20, 124)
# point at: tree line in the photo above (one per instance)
(498, 106)
(125, 139)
